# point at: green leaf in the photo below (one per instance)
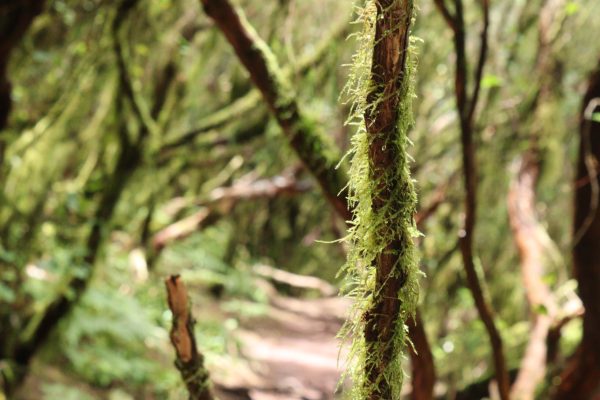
(491, 81)
(572, 7)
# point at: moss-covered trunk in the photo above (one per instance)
(381, 188)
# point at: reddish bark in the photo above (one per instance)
(466, 104)
(422, 365)
(189, 361)
(581, 377)
(388, 75)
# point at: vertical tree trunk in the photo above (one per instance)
(385, 199)
(581, 378)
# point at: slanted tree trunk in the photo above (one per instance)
(581, 378)
(267, 76)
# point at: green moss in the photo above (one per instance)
(373, 229)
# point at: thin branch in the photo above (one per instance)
(465, 108)
(485, 8)
(295, 280)
(448, 17)
(222, 200)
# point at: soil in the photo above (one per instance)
(292, 350)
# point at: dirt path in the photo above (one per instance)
(293, 349)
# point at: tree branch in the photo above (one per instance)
(268, 78)
(448, 17)
(189, 361)
(465, 108)
(222, 200)
(485, 8)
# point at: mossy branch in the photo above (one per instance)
(248, 102)
(304, 137)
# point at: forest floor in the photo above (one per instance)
(286, 351)
(291, 350)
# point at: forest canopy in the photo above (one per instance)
(299, 199)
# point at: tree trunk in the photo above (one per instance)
(392, 202)
(581, 377)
